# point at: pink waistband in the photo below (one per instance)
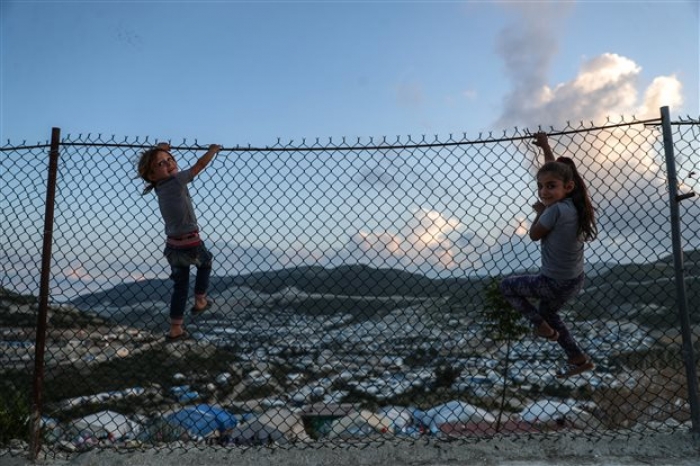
(185, 241)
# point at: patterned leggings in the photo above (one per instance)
(553, 294)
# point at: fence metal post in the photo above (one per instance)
(35, 434)
(687, 348)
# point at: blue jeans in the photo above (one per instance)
(553, 294)
(180, 261)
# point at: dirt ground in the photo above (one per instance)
(678, 449)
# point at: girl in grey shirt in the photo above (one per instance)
(183, 245)
(564, 221)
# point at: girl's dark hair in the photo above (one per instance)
(144, 167)
(565, 168)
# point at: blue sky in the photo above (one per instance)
(253, 73)
(243, 73)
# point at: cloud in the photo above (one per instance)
(664, 90)
(622, 166)
(429, 242)
(527, 48)
(77, 273)
(410, 94)
(469, 94)
(383, 172)
(605, 86)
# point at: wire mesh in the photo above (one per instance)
(353, 293)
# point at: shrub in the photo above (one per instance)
(14, 414)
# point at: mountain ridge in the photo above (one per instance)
(365, 280)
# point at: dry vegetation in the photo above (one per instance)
(657, 396)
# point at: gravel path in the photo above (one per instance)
(679, 449)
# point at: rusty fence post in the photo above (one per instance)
(681, 299)
(38, 381)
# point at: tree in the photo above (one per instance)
(502, 323)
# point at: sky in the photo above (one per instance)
(240, 73)
(263, 73)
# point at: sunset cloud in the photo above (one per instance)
(76, 273)
(430, 242)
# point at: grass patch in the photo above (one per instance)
(152, 368)
(16, 298)
(14, 413)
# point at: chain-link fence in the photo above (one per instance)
(353, 293)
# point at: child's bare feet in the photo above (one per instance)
(576, 365)
(544, 330)
(176, 333)
(201, 304)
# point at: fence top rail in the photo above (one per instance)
(344, 146)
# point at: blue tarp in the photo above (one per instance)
(202, 420)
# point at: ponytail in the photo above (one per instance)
(144, 168)
(587, 228)
(148, 188)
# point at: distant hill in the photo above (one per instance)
(355, 280)
(653, 285)
(614, 285)
(350, 280)
(127, 294)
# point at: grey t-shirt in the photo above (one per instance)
(176, 205)
(562, 250)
